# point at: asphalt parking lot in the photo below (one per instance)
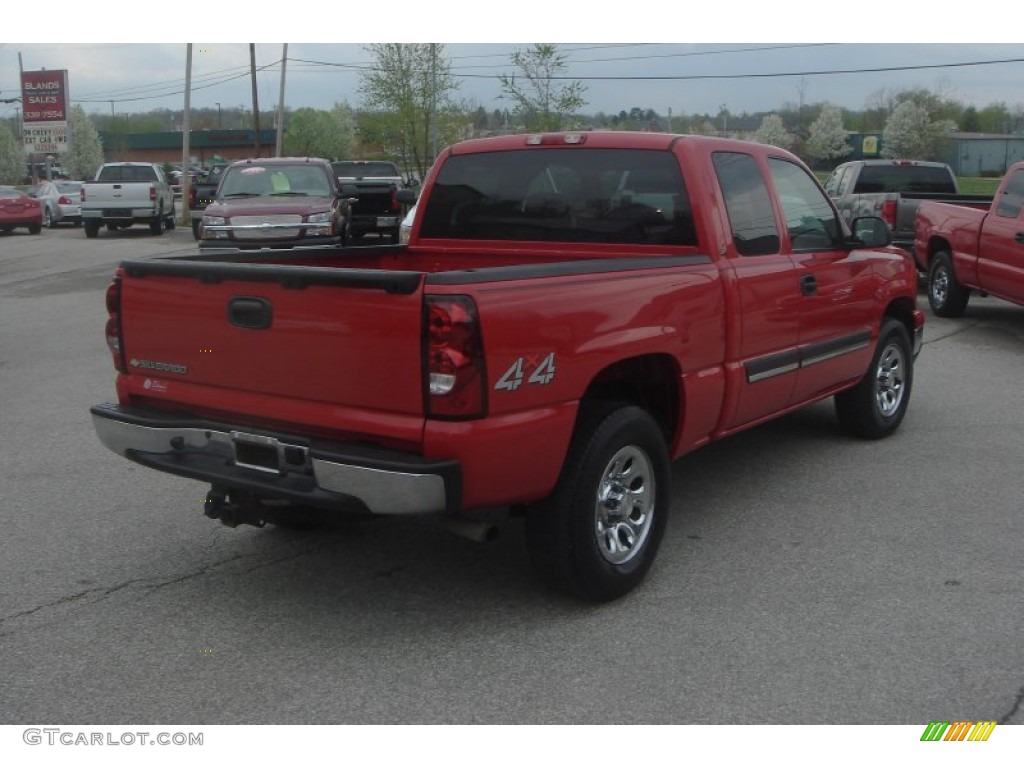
(805, 577)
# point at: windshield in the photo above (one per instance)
(904, 178)
(563, 195)
(127, 173)
(360, 169)
(268, 180)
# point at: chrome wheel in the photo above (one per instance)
(940, 285)
(890, 379)
(625, 505)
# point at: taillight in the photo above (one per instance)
(113, 330)
(81, 193)
(395, 205)
(888, 212)
(453, 359)
(152, 194)
(64, 200)
(191, 197)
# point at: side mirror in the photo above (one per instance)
(871, 232)
(412, 181)
(405, 196)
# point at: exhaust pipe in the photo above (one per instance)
(479, 531)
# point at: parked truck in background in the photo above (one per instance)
(964, 249)
(376, 208)
(573, 311)
(202, 193)
(123, 194)
(892, 190)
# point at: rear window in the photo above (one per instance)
(127, 173)
(904, 178)
(368, 168)
(561, 195)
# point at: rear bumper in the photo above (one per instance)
(326, 474)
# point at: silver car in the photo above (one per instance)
(61, 202)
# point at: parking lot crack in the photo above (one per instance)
(1014, 709)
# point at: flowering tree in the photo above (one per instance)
(828, 138)
(773, 131)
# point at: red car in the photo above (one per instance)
(17, 209)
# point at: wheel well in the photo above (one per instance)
(650, 382)
(902, 309)
(935, 245)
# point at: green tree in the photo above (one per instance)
(414, 83)
(12, 157)
(827, 140)
(85, 151)
(541, 104)
(773, 131)
(319, 133)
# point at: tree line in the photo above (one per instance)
(409, 108)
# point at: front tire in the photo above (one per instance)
(876, 406)
(946, 296)
(597, 535)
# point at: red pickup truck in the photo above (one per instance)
(965, 249)
(573, 311)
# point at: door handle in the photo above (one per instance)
(808, 285)
(250, 312)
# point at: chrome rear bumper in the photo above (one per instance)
(325, 474)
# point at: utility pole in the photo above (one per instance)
(31, 155)
(255, 101)
(279, 133)
(433, 104)
(186, 133)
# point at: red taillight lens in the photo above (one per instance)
(191, 197)
(64, 200)
(81, 194)
(888, 212)
(152, 193)
(113, 329)
(395, 205)
(453, 359)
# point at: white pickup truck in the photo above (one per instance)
(123, 194)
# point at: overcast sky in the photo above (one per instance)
(763, 60)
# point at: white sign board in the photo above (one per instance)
(49, 138)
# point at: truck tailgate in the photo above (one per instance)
(327, 335)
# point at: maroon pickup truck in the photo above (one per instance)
(573, 311)
(279, 202)
(965, 249)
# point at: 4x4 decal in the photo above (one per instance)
(542, 372)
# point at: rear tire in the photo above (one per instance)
(195, 228)
(34, 229)
(92, 228)
(876, 406)
(156, 226)
(597, 535)
(946, 296)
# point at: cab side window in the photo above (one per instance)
(811, 222)
(747, 203)
(1012, 199)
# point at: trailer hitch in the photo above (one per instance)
(234, 508)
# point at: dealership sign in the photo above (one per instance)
(44, 114)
